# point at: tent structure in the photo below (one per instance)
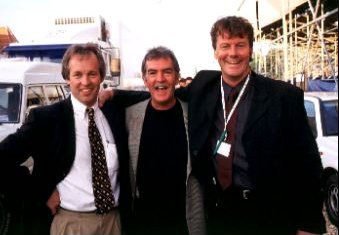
(6, 37)
(295, 39)
(264, 12)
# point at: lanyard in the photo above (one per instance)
(227, 118)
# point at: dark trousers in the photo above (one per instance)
(157, 218)
(29, 218)
(241, 213)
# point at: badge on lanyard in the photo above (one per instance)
(222, 147)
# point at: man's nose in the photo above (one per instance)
(233, 50)
(160, 76)
(85, 80)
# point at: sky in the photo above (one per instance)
(136, 25)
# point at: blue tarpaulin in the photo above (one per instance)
(53, 52)
(322, 85)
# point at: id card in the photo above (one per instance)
(224, 149)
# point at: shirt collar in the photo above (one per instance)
(80, 109)
(228, 88)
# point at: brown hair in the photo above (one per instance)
(157, 53)
(82, 49)
(235, 26)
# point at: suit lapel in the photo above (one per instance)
(135, 116)
(203, 108)
(260, 101)
(65, 143)
(213, 99)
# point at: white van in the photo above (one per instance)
(322, 112)
(25, 85)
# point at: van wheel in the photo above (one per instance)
(331, 199)
(4, 216)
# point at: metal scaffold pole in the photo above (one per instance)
(285, 44)
(303, 43)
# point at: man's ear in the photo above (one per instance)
(145, 80)
(215, 55)
(177, 78)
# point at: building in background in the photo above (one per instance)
(6, 37)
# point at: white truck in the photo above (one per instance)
(68, 31)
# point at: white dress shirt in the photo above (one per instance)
(76, 191)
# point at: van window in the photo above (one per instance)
(310, 110)
(62, 90)
(329, 115)
(54, 93)
(35, 97)
(9, 102)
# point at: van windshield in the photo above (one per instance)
(9, 102)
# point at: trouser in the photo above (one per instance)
(68, 222)
(157, 219)
(239, 212)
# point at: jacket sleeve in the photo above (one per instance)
(17, 147)
(14, 150)
(195, 212)
(128, 97)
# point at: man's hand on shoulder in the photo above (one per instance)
(104, 96)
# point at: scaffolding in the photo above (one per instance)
(301, 45)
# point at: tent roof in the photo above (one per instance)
(268, 11)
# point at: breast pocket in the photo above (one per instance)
(112, 158)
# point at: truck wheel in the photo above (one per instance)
(4, 217)
(331, 198)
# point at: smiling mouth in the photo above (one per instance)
(86, 91)
(233, 62)
(160, 87)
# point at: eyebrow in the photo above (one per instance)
(164, 69)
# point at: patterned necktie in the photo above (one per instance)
(225, 164)
(103, 195)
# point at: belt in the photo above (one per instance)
(238, 193)
(84, 212)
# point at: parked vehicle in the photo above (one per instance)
(66, 32)
(24, 86)
(322, 112)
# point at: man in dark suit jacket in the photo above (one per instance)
(51, 137)
(275, 169)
